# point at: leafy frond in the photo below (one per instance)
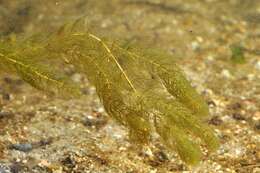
(171, 75)
(106, 74)
(141, 89)
(14, 61)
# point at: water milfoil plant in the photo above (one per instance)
(143, 89)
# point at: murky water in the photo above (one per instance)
(215, 42)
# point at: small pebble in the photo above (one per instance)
(4, 114)
(200, 39)
(77, 77)
(161, 156)
(215, 121)
(238, 116)
(251, 77)
(195, 45)
(210, 58)
(6, 96)
(68, 162)
(257, 125)
(211, 103)
(2, 170)
(257, 65)
(15, 168)
(44, 142)
(97, 122)
(225, 73)
(21, 147)
(236, 106)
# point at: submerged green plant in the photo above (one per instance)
(20, 58)
(142, 89)
(238, 56)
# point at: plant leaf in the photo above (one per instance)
(35, 74)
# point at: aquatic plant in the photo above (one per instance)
(143, 89)
(22, 58)
(237, 56)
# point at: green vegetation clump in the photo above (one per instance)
(142, 89)
(237, 56)
(23, 58)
